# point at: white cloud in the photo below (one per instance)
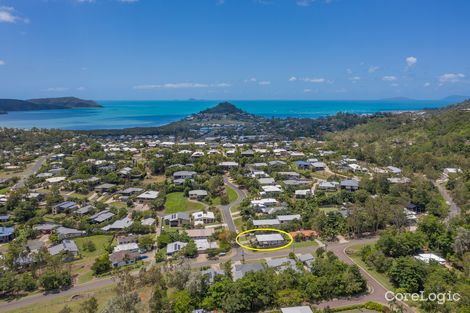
(316, 80)
(8, 15)
(81, 88)
(451, 78)
(128, 1)
(349, 71)
(307, 90)
(2, 62)
(373, 69)
(86, 1)
(411, 61)
(220, 2)
(355, 78)
(304, 3)
(181, 86)
(427, 84)
(292, 79)
(264, 83)
(389, 78)
(250, 80)
(394, 85)
(57, 89)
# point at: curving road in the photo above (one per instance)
(454, 210)
(37, 165)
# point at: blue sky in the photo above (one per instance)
(234, 49)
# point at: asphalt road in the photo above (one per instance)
(454, 210)
(37, 165)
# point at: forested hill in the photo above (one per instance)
(7, 105)
(424, 141)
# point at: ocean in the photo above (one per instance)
(124, 114)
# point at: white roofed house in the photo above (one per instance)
(297, 309)
(394, 170)
(288, 218)
(203, 245)
(201, 217)
(197, 194)
(148, 196)
(264, 203)
(265, 181)
(430, 257)
(266, 223)
(228, 164)
(270, 240)
(271, 190)
(302, 193)
(328, 185)
(119, 224)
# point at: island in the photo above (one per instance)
(10, 105)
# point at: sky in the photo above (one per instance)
(234, 49)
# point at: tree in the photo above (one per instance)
(181, 302)
(159, 301)
(89, 306)
(462, 241)
(52, 280)
(190, 250)
(102, 264)
(408, 273)
(125, 303)
(146, 242)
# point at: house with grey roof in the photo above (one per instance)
(266, 223)
(174, 247)
(64, 207)
(104, 188)
(119, 224)
(349, 184)
(270, 240)
(176, 219)
(184, 175)
(240, 270)
(66, 246)
(102, 216)
(66, 233)
(197, 194)
(121, 258)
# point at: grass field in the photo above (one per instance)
(306, 243)
(232, 196)
(100, 241)
(382, 278)
(176, 202)
(55, 305)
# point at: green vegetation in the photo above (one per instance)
(176, 202)
(101, 243)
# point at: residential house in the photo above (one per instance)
(240, 270)
(266, 223)
(200, 233)
(228, 164)
(203, 245)
(288, 218)
(64, 207)
(328, 185)
(104, 188)
(122, 258)
(66, 246)
(127, 239)
(119, 224)
(302, 193)
(174, 247)
(349, 184)
(197, 194)
(66, 233)
(318, 166)
(184, 175)
(102, 216)
(303, 165)
(176, 219)
(148, 196)
(6, 234)
(297, 309)
(202, 217)
(270, 240)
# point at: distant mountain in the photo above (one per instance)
(223, 108)
(9, 105)
(456, 98)
(398, 99)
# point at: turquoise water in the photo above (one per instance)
(123, 114)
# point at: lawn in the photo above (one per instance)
(100, 241)
(176, 202)
(232, 194)
(306, 243)
(56, 304)
(382, 278)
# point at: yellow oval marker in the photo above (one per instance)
(291, 240)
